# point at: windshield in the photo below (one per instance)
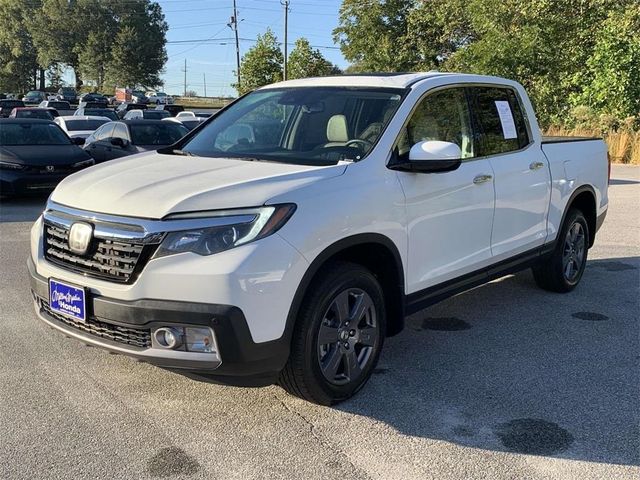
(75, 125)
(156, 133)
(32, 134)
(310, 125)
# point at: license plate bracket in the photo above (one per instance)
(67, 299)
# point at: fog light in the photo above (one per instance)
(199, 340)
(168, 337)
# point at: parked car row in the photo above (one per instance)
(38, 147)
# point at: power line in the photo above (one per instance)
(223, 41)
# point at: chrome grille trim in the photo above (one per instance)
(137, 230)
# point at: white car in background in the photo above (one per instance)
(77, 126)
(159, 98)
(184, 115)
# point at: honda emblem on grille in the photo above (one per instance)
(80, 237)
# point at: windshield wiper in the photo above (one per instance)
(176, 151)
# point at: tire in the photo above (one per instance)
(328, 373)
(563, 270)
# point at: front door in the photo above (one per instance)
(449, 215)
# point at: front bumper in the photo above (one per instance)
(237, 360)
(20, 183)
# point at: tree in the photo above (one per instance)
(261, 65)
(307, 62)
(613, 69)
(565, 53)
(138, 53)
(372, 34)
(55, 26)
(18, 61)
(95, 52)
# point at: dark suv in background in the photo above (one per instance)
(68, 94)
(6, 106)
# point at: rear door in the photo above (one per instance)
(522, 176)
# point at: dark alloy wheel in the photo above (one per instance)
(563, 270)
(338, 335)
(348, 333)
(573, 252)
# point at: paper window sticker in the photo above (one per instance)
(506, 119)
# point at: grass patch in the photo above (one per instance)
(202, 102)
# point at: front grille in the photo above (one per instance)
(117, 261)
(129, 336)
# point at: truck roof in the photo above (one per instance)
(390, 80)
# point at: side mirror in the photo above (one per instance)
(119, 142)
(432, 156)
(78, 141)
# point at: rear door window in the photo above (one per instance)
(500, 126)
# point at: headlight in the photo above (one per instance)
(261, 222)
(11, 166)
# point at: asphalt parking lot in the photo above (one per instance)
(505, 381)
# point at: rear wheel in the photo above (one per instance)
(563, 271)
(338, 336)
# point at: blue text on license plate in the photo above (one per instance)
(67, 300)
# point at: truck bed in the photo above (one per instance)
(559, 139)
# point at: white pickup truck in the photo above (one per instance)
(287, 236)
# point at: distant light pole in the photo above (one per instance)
(185, 77)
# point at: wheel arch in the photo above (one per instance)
(375, 252)
(584, 199)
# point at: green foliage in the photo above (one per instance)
(17, 56)
(138, 52)
(614, 67)
(261, 65)
(566, 53)
(306, 62)
(103, 42)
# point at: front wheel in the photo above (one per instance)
(562, 272)
(338, 336)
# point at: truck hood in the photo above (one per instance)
(153, 185)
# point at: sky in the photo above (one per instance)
(215, 59)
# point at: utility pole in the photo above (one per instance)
(204, 78)
(185, 77)
(233, 24)
(285, 4)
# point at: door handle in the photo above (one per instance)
(535, 165)
(482, 179)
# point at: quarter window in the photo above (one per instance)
(442, 115)
(499, 122)
(104, 131)
(120, 131)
